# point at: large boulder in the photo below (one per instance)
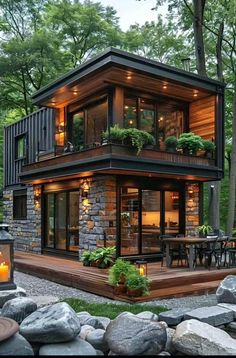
(77, 347)
(148, 315)
(173, 317)
(128, 334)
(7, 295)
(96, 339)
(51, 324)
(16, 346)
(226, 291)
(18, 308)
(193, 337)
(214, 315)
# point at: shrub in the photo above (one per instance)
(135, 281)
(208, 145)
(119, 269)
(171, 143)
(189, 142)
(138, 138)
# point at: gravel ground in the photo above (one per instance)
(35, 286)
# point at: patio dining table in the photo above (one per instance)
(191, 241)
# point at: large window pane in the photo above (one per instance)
(20, 204)
(73, 224)
(151, 221)
(129, 221)
(147, 116)
(96, 123)
(61, 221)
(171, 212)
(130, 113)
(49, 221)
(78, 131)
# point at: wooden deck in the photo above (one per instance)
(165, 282)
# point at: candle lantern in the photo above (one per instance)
(142, 267)
(6, 259)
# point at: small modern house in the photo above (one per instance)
(70, 187)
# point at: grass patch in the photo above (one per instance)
(110, 310)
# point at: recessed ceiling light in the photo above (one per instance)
(164, 86)
(129, 77)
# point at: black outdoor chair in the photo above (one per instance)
(213, 249)
(163, 246)
(177, 251)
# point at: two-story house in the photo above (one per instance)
(66, 189)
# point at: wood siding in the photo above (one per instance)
(37, 127)
(202, 117)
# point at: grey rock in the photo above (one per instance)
(213, 315)
(42, 301)
(226, 291)
(148, 315)
(96, 339)
(193, 337)
(7, 295)
(169, 347)
(164, 353)
(51, 324)
(83, 317)
(85, 330)
(16, 345)
(128, 334)
(229, 306)
(18, 308)
(99, 353)
(173, 317)
(77, 347)
(94, 322)
(231, 327)
(104, 320)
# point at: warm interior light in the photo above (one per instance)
(126, 107)
(164, 86)
(195, 93)
(129, 77)
(75, 93)
(130, 121)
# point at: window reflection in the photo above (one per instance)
(147, 116)
(130, 113)
(96, 123)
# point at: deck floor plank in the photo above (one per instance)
(165, 282)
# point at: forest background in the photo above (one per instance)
(43, 39)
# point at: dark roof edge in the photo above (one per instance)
(126, 55)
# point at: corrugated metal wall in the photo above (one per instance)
(38, 127)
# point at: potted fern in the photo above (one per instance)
(190, 143)
(118, 273)
(137, 285)
(204, 230)
(171, 144)
(209, 148)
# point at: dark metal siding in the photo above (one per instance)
(39, 128)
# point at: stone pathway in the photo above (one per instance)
(35, 286)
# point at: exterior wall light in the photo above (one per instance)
(85, 188)
(37, 195)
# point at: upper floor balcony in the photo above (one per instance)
(117, 90)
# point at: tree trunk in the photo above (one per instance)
(232, 178)
(198, 10)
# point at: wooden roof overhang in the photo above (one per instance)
(120, 68)
(113, 159)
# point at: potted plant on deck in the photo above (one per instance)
(171, 144)
(86, 258)
(103, 257)
(209, 148)
(138, 138)
(116, 135)
(118, 274)
(204, 230)
(137, 285)
(190, 143)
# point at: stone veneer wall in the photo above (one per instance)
(192, 208)
(27, 233)
(97, 217)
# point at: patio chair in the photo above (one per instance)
(214, 250)
(163, 246)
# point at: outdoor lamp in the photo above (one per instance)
(6, 259)
(142, 267)
(85, 188)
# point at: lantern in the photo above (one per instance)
(6, 259)
(142, 267)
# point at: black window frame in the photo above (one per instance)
(20, 204)
(17, 139)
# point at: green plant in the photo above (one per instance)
(171, 143)
(204, 230)
(86, 257)
(135, 281)
(190, 143)
(104, 256)
(116, 134)
(138, 138)
(208, 145)
(120, 270)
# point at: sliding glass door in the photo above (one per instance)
(145, 215)
(62, 221)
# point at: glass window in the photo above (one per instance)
(96, 123)
(20, 147)
(49, 222)
(77, 135)
(130, 113)
(61, 212)
(171, 212)
(20, 204)
(147, 116)
(151, 221)
(129, 221)
(73, 224)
